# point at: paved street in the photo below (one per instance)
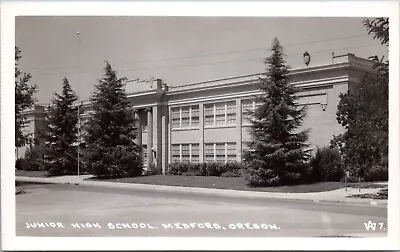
(71, 210)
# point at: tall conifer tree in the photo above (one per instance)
(62, 128)
(111, 131)
(277, 154)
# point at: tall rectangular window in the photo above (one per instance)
(175, 151)
(231, 152)
(195, 153)
(220, 113)
(247, 108)
(231, 112)
(209, 114)
(195, 115)
(144, 153)
(220, 152)
(185, 117)
(209, 152)
(185, 150)
(176, 118)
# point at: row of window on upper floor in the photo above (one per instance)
(215, 114)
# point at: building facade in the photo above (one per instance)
(207, 121)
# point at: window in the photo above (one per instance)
(185, 153)
(185, 117)
(220, 152)
(195, 153)
(231, 151)
(209, 152)
(247, 107)
(144, 154)
(231, 112)
(218, 114)
(185, 150)
(195, 115)
(209, 114)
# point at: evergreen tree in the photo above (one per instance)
(364, 113)
(24, 99)
(62, 128)
(277, 153)
(111, 131)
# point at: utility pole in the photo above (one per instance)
(79, 116)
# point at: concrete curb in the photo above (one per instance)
(206, 191)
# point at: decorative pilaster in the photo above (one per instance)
(149, 138)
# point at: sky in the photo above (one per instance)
(178, 50)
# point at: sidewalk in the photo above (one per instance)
(335, 196)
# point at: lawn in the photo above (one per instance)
(223, 183)
(40, 174)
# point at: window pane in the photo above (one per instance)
(209, 120)
(209, 109)
(231, 118)
(220, 119)
(220, 148)
(185, 117)
(209, 114)
(176, 123)
(247, 106)
(220, 108)
(231, 107)
(231, 149)
(175, 150)
(195, 110)
(175, 116)
(209, 152)
(195, 122)
(220, 158)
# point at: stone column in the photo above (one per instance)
(139, 126)
(149, 139)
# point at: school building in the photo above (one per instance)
(206, 121)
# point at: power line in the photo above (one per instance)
(232, 52)
(239, 60)
(221, 62)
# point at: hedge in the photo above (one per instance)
(218, 169)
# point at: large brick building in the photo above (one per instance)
(206, 121)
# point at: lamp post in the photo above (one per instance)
(307, 58)
(79, 117)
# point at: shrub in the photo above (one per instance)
(377, 173)
(178, 168)
(34, 158)
(326, 165)
(230, 169)
(21, 164)
(213, 169)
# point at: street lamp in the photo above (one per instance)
(307, 58)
